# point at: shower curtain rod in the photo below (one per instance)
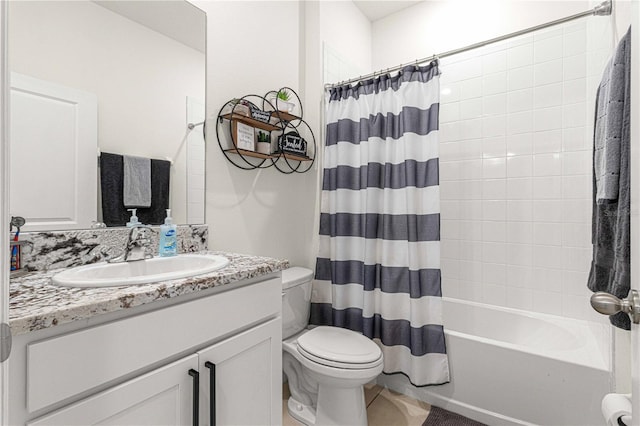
(603, 9)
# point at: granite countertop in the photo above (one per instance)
(35, 303)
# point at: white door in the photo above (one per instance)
(4, 206)
(635, 201)
(161, 397)
(54, 139)
(247, 378)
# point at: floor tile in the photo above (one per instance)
(391, 408)
(371, 391)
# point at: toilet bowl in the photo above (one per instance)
(326, 366)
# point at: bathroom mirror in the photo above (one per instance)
(92, 77)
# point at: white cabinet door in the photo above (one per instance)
(248, 378)
(161, 397)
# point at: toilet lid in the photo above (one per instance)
(339, 347)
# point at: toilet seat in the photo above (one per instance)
(340, 348)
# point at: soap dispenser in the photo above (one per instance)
(133, 220)
(168, 238)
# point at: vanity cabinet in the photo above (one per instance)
(141, 369)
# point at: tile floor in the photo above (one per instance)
(384, 408)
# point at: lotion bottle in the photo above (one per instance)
(168, 238)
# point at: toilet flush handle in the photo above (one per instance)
(608, 304)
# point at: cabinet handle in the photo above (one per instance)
(196, 395)
(212, 392)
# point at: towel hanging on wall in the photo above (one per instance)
(136, 181)
(114, 211)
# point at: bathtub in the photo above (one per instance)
(511, 367)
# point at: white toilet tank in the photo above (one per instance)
(296, 300)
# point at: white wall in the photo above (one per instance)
(253, 47)
(141, 77)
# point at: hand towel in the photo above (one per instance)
(137, 181)
(610, 230)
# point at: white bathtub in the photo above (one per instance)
(511, 367)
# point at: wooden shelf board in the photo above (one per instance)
(285, 116)
(249, 153)
(251, 122)
(296, 157)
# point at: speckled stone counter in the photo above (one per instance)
(35, 303)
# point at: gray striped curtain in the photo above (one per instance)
(378, 266)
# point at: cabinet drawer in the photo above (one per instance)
(65, 366)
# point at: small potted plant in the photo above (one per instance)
(281, 101)
(264, 142)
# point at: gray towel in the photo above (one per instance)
(610, 230)
(137, 181)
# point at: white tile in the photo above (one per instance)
(520, 40)
(520, 78)
(470, 230)
(547, 165)
(579, 25)
(547, 33)
(449, 229)
(520, 56)
(519, 276)
(450, 151)
(471, 290)
(547, 188)
(576, 235)
(464, 70)
(519, 188)
(547, 72)
(494, 62)
(547, 279)
(449, 132)
(471, 189)
(494, 294)
(470, 271)
(575, 306)
(574, 42)
(470, 108)
(471, 250)
(519, 122)
(575, 66)
(547, 211)
(576, 211)
(471, 88)
(449, 92)
(519, 166)
(547, 96)
(493, 126)
(470, 129)
(450, 170)
(450, 249)
(519, 144)
(494, 273)
(547, 302)
(576, 163)
(520, 232)
(519, 210)
(470, 149)
(450, 288)
(547, 49)
(574, 282)
(471, 210)
(547, 119)
(495, 232)
(574, 91)
(494, 83)
(547, 233)
(577, 187)
(494, 104)
(520, 298)
(576, 258)
(494, 147)
(449, 209)
(547, 141)
(494, 189)
(450, 190)
(574, 115)
(494, 209)
(494, 252)
(575, 139)
(450, 112)
(520, 100)
(547, 257)
(493, 168)
(519, 254)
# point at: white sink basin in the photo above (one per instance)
(105, 274)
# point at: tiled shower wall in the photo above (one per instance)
(516, 122)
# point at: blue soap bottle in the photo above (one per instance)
(168, 237)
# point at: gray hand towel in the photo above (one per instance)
(610, 230)
(137, 181)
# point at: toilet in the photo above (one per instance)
(326, 366)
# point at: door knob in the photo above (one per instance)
(608, 304)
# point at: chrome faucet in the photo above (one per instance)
(138, 246)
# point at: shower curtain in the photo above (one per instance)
(378, 266)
